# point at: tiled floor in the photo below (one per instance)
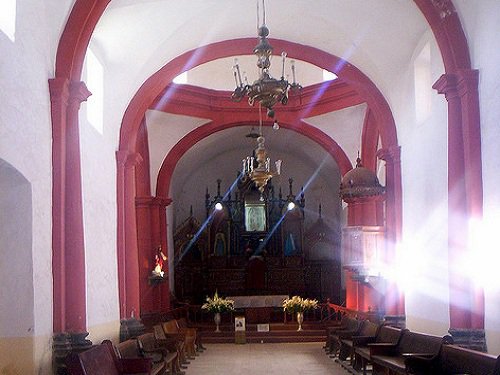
(264, 359)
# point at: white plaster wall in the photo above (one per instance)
(25, 139)
(98, 163)
(16, 268)
(165, 130)
(344, 127)
(421, 264)
(481, 21)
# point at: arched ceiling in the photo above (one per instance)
(378, 37)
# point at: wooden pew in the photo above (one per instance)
(367, 331)
(352, 325)
(149, 347)
(102, 359)
(453, 359)
(172, 341)
(130, 349)
(386, 334)
(183, 325)
(387, 358)
(171, 327)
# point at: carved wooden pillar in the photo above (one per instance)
(128, 257)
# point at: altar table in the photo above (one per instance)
(258, 308)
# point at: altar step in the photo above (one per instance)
(277, 333)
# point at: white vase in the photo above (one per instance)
(217, 322)
(300, 319)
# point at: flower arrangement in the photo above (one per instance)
(298, 304)
(218, 304)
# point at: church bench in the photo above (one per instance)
(102, 359)
(172, 342)
(367, 331)
(391, 359)
(183, 325)
(350, 328)
(130, 349)
(386, 334)
(149, 347)
(453, 359)
(187, 336)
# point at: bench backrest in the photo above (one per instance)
(97, 360)
(170, 326)
(368, 329)
(159, 333)
(456, 360)
(147, 341)
(389, 334)
(353, 324)
(415, 342)
(128, 349)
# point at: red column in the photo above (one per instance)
(394, 298)
(74, 238)
(467, 86)
(128, 258)
(150, 218)
(460, 289)
(67, 239)
(59, 94)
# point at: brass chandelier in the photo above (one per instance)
(257, 167)
(266, 90)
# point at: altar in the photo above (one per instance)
(259, 309)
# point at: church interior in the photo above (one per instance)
(155, 152)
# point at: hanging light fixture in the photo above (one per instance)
(266, 90)
(257, 167)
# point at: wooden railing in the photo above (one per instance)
(339, 311)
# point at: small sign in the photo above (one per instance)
(263, 327)
(239, 323)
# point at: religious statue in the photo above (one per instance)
(159, 259)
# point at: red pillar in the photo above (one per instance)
(467, 86)
(68, 262)
(394, 298)
(154, 297)
(128, 257)
(463, 301)
(59, 94)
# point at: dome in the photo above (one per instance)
(360, 182)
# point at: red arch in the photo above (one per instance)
(447, 29)
(189, 140)
(154, 85)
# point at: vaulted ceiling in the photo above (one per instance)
(138, 37)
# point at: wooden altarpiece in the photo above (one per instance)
(252, 245)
